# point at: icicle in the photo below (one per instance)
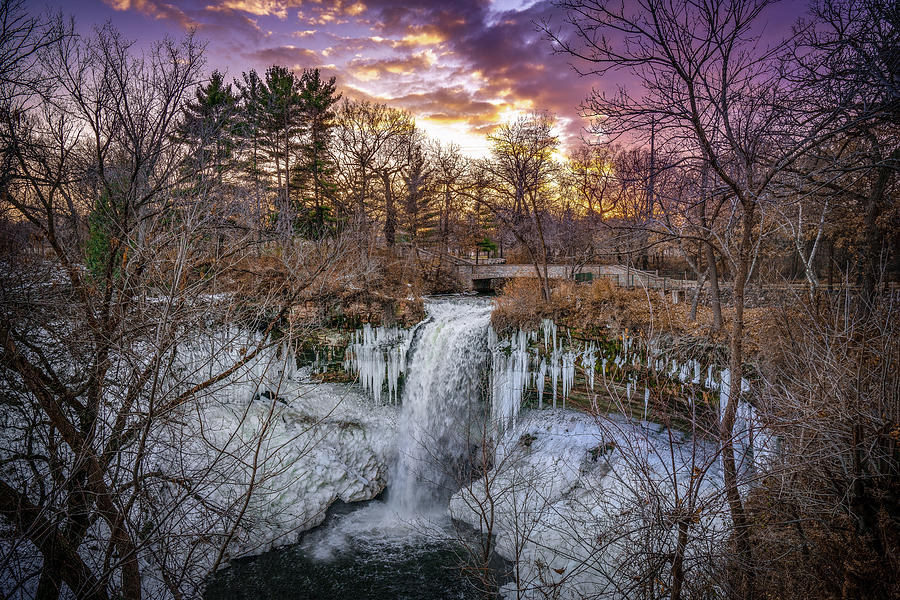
(724, 392)
(554, 372)
(710, 382)
(646, 401)
(510, 374)
(589, 362)
(684, 372)
(549, 328)
(568, 374)
(539, 378)
(378, 356)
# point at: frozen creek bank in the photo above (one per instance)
(328, 443)
(588, 507)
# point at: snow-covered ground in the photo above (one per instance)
(585, 507)
(329, 443)
(265, 448)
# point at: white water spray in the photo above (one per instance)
(439, 404)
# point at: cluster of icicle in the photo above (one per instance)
(378, 356)
(515, 366)
(519, 363)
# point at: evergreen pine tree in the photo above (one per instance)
(208, 129)
(251, 102)
(282, 126)
(314, 169)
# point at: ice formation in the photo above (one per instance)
(443, 362)
(724, 391)
(570, 507)
(589, 363)
(539, 378)
(261, 442)
(524, 362)
(378, 356)
(567, 372)
(646, 401)
(321, 442)
(510, 373)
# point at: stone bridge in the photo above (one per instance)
(492, 276)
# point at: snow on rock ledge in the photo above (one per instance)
(325, 442)
(574, 500)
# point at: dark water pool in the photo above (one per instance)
(345, 560)
(383, 571)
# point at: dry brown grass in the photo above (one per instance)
(378, 288)
(604, 308)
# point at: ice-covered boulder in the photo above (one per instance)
(322, 443)
(577, 502)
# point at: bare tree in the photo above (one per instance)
(832, 398)
(453, 184)
(707, 89)
(103, 358)
(370, 141)
(847, 57)
(519, 175)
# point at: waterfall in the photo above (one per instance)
(440, 401)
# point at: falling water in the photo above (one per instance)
(439, 403)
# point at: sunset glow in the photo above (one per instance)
(460, 68)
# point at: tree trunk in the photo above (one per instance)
(58, 554)
(678, 561)
(697, 293)
(715, 297)
(390, 214)
(872, 263)
(726, 427)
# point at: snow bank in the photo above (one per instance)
(579, 504)
(328, 443)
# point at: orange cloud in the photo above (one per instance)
(155, 9)
(424, 36)
(369, 70)
(260, 8)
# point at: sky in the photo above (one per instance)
(460, 67)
